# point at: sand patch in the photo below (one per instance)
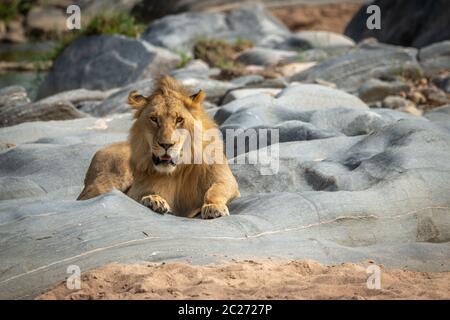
(252, 280)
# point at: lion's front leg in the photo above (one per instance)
(216, 199)
(156, 203)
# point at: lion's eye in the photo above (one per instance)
(154, 119)
(180, 120)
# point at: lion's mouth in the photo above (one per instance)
(164, 159)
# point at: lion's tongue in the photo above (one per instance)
(165, 158)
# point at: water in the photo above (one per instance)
(25, 52)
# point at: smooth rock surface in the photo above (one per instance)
(376, 90)
(105, 62)
(348, 71)
(265, 56)
(181, 31)
(351, 184)
(13, 96)
(241, 93)
(38, 111)
(435, 58)
(316, 40)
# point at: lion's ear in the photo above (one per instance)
(136, 100)
(198, 97)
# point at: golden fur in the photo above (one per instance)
(148, 168)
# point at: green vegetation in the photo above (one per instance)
(406, 71)
(185, 58)
(11, 9)
(118, 23)
(222, 54)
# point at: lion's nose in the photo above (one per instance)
(166, 146)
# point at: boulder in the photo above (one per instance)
(266, 56)
(367, 61)
(316, 40)
(181, 31)
(346, 184)
(13, 96)
(376, 90)
(395, 102)
(412, 23)
(38, 111)
(440, 116)
(215, 90)
(117, 102)
(78, 96)
(263, 108)
(435, 58)
(105, 62)
(195, 69)
(442, 82)
(14, 32)
(254, 23)
(241, 93)
(46, 20)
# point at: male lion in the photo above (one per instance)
(148, 167)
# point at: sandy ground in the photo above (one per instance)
(252, 280)
(329, 17)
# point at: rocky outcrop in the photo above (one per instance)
(38, 111)
(316, 40)
(411, 23)
(345, 183)
(46, 20)
(435, 58)
(105, 62)
(266, 56)
(13, 96)
(369, 60)
(180, 32)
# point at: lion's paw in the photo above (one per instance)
(156, 203)
(211, 211)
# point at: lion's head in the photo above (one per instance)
(164, 121)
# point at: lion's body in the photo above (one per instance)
(184, 189)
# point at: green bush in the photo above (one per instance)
(118, 23)
(10, 9)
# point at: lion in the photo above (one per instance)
(149, 167)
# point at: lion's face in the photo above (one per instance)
(165, 121)
(166, 125)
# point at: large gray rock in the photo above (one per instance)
(117, 102)
(78, 96)
(38, 111)
(12, 96)
(376, 90)
(442, 82)
(215, 90)
(440, 116)
(435, 58)
(105, 62)
(241, 93)
(265, 56)
(316, 40)
(46, 20)
(181, 31)
(415, 23)
(348, 71)
(195, 69)
(350, 184)
(304, 97)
